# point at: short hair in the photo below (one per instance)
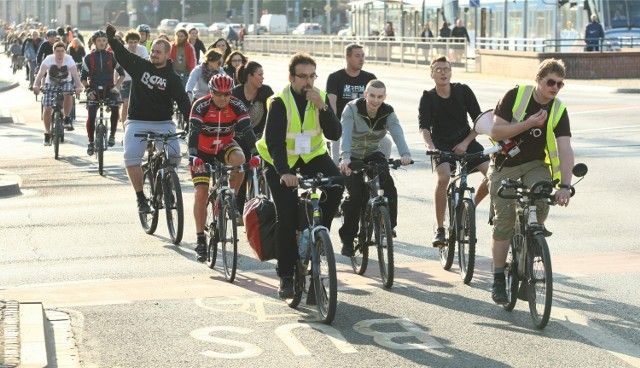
(549, 66)
(59, 44)
(212, 55)
(376, 83)
(300, 58)
(438, 59)
(181, 30)
(167, 45)
(246, 70)
(349, 49)
(132, 34)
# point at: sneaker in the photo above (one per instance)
(546, 232)
(143, 205)
(499, 292)
(201, 252)
(47, 139)
(347, 249)
(286, 287)
(112, 141)
(439, 239)
(67, 124)
(90, 149)
(393, 233)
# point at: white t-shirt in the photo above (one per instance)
(57, 74)
(140, 51)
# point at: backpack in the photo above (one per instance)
(259, 217)
(457, 93)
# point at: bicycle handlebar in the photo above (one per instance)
(160, 136)
(521, 190)
(464, 156)
(241, 168)
(359, 165)
(317, 182)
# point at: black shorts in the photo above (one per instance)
(473, 147)
(203, 178)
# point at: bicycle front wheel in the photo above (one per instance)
(173, 206)
(448, 250)
(211, 229)
(149, 221)
(324, 277)
(384, 242)
(540, 278)
(228, 230)
(56, 130)
(360, 259)
(99, 142)
(511, 276)
(467, 240)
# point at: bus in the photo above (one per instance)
(619, 18)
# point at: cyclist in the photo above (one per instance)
(198, 83)
(299, 119)
(443, 123)
(46, 47)
(214, 120)
(145, 40)
(62, 75)
(30, 48)
(97, 71)
(543, 135)
(154, 88)
(365, 122)
(183, 55)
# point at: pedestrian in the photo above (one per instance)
(593, 34)
(197, 43)
(459, 31)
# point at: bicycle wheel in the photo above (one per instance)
(360, 259)
(173, 206)
(467, 240)
(540, 287)
(211, 228)
(228, 230)
(384, 242)
(149, 221)
(511, 276)
(56, 120)
(99, 142)
(324, 277)
(448, 250)
(299, 279)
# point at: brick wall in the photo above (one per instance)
(587, 65)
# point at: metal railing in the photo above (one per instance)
(555, 45)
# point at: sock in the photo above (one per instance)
(201, 238)
(140, 195)
(498, 273)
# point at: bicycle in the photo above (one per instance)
(318, 261)
(460, 214)
(529, 259)
(375, 222)
(57, 129)
(222, 217)
(178, 118)
(161, 186)
(100, 135)
(257, 181)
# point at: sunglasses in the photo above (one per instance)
(222, 94)
(553, 82)
(236, 60)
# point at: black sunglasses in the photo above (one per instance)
(553, 82)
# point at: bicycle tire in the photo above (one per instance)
(511, 276)
(448, 250)
(467, 240)
(324, 277)
(173, 206)
(149, 221)
(211, 228)
(228, 230)
(99, 143)
(360, 259)
(540, 287)
(56, 120)
(299, 278)
(384, 242)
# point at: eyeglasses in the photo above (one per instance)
(236, 60)
(222, 94)
(304, 76)
(553, 82)
(441, 70)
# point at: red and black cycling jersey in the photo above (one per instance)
(211, 129)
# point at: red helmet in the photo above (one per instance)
(221, 83)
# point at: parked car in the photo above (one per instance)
(181, 25)
(202, 28)
(216, 28)
(261, 29)
(167, 26)
(274, 23)
(225, 31)
(345, 33)
(308, 29)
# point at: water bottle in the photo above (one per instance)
(302, 247)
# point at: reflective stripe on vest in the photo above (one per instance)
(310, 127)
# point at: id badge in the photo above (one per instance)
(303, 144)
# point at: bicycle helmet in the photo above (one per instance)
(97, 34)
(144, 28)
(52, 32)
(221, 83)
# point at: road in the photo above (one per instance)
(72, 240)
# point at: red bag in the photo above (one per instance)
(260, 224)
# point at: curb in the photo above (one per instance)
(33, 344)
(9, 184)
(6, 85)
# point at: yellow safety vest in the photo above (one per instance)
(551, 151)
(310, 127)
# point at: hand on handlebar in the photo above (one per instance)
(289, 180)
(460, 148)
(344, 166)
(405, 160)
(563, 195)
(197, 165)
(36, 90)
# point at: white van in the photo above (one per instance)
(275, 23)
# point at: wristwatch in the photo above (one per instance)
(325, 107)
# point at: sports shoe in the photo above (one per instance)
(201, 252)
(143, 206)
(47, 139)
(347, 248)
(438, 238)
(112, 141)
(68, 125)
(286, 287)
(90, 149)
(393, 233)
(546, 232)
(499, 291)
